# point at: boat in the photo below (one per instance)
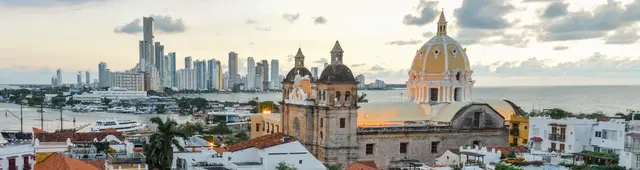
(118, 125)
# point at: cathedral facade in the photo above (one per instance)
(324, 115)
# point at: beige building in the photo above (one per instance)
(440, 114)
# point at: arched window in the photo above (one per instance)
(458, 76)
(324, 95)
(347, 95)
(321, 137)
(319, 95)
(337, 96)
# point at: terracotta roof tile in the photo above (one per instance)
(36, 130)
(60, 162)
(219, 149)
(74, 136)
(100, 164)
(259, 142)
(363, 165)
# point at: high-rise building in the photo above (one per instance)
(187, 62)
(201, 74)
(87, 78)
(233, 69)
(275, 73)
(314, 72)
(360, 79)
(159, 58)
(265, 74)
(166, 72)
(225, 81)
(54, 81)
(133, 81)
(79, 78)
(59, 77)
(218, 75)
(103, 75)
(146, 45)
(211, 73)
(251, 73)
(172, 69)
(186, 79)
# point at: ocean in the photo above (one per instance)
(608, 99)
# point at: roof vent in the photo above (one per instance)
(286, 139)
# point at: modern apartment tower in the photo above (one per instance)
(159, 58)
(103, 75)
(187, 62)
(79, 78)
(87, 78)
(218, 75)
(59, 77)
(211, 70)
(172, 69)
(146, 45)
(314, 72)
(251, 73)
(275, 73)
(265, 74)
(201, 74)
(233, 69)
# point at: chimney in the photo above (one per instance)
(286, 139)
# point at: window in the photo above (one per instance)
(321, 122)
(598, 134)
(346, 96)
(562, 147)
(476, 119)
(433, 94)
(271, 128)
(277, 128)
(300, 161)
(604, 134)
(263, 126)
(337, 96)
(525, 127)
(342, 122)
(267, 125)
(476, 143)
(319, 95)
(369, 149)
(257, 127)
(321, 136)
(434, 146)
(457, 74)
(403, 147)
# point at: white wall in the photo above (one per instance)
(577, 133)
(614, 140)
(297, 155)
(16, 150)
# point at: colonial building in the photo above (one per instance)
(518, 130)
(323, 114)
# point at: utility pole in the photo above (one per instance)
(61, 119)
(41, 116)
(21, 120)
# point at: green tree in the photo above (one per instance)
(59, 100)
(159, 151)
(160, 109)
(221, 129)
(106, 101)
(629, 115)
(363, 98)
(35, 100)
(200, 104)
(252, 103)
(506, 167)
(284, 166)
(190, 129)
(242, 136)
(334, 167)
(185, 105)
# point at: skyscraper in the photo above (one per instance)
(275, 73)
(265, 74)
(159, 58)
(233, 69)
(314, 72)
(172, 69)
(211, 70)
(87, 78)
(218, 75)
(201, 72)
(360, 79)
(103, 75)
(251, 73)
(146, 45)
(59, 77)
(79, 78)
(166, 72)
(186, 79)
(187, 62)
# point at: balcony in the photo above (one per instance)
(515, 132)
(632, 147)
(126, 158)
(557, 137)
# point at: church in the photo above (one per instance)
(439, 114)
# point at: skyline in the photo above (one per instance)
(598, 50)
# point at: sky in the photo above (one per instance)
(509, 42)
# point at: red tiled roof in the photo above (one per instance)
(74, 136)
(36, 131)
(219, 149)
(363, 165)
(60, 162)
(97, 163)
(259, 142)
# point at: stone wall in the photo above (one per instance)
(386, 150)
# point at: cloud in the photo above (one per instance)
(291, 17)
(46, 3)
(542, 0)
(319, 20)
(266, 29)
(428, 34)
(555, 9)
(520, 41)
(403, 42)
(357, 65)
(377, 68)
(428, 13)
(595, 65)
(250, 22)
(162, 24)
(560, 48)
(483, 14)
(289, 58)
(321, 61)
(251, 43)
(581, 25)
(623, 36)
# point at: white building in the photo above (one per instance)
(608, 136)
(268, 151)
(314, 72)
(79, 79)
(632, 145)
(87, 78)
(275, 73)
(251, 73)
(16, 152)
(361, 83)
(560, 135)
(186, 79)
(233, 69)
(457, 156)
(59, 77)
(113, 93)
(132, 81)
(103, 75)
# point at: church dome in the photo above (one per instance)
(440, 54)
(298, 69)
(337, 73)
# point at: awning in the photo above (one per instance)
(536, 139)
(634, 135)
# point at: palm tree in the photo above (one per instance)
(334, 167)
(159, 151)
(363, 98)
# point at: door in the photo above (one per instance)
(12, 164)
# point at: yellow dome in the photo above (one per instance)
(440, 54)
